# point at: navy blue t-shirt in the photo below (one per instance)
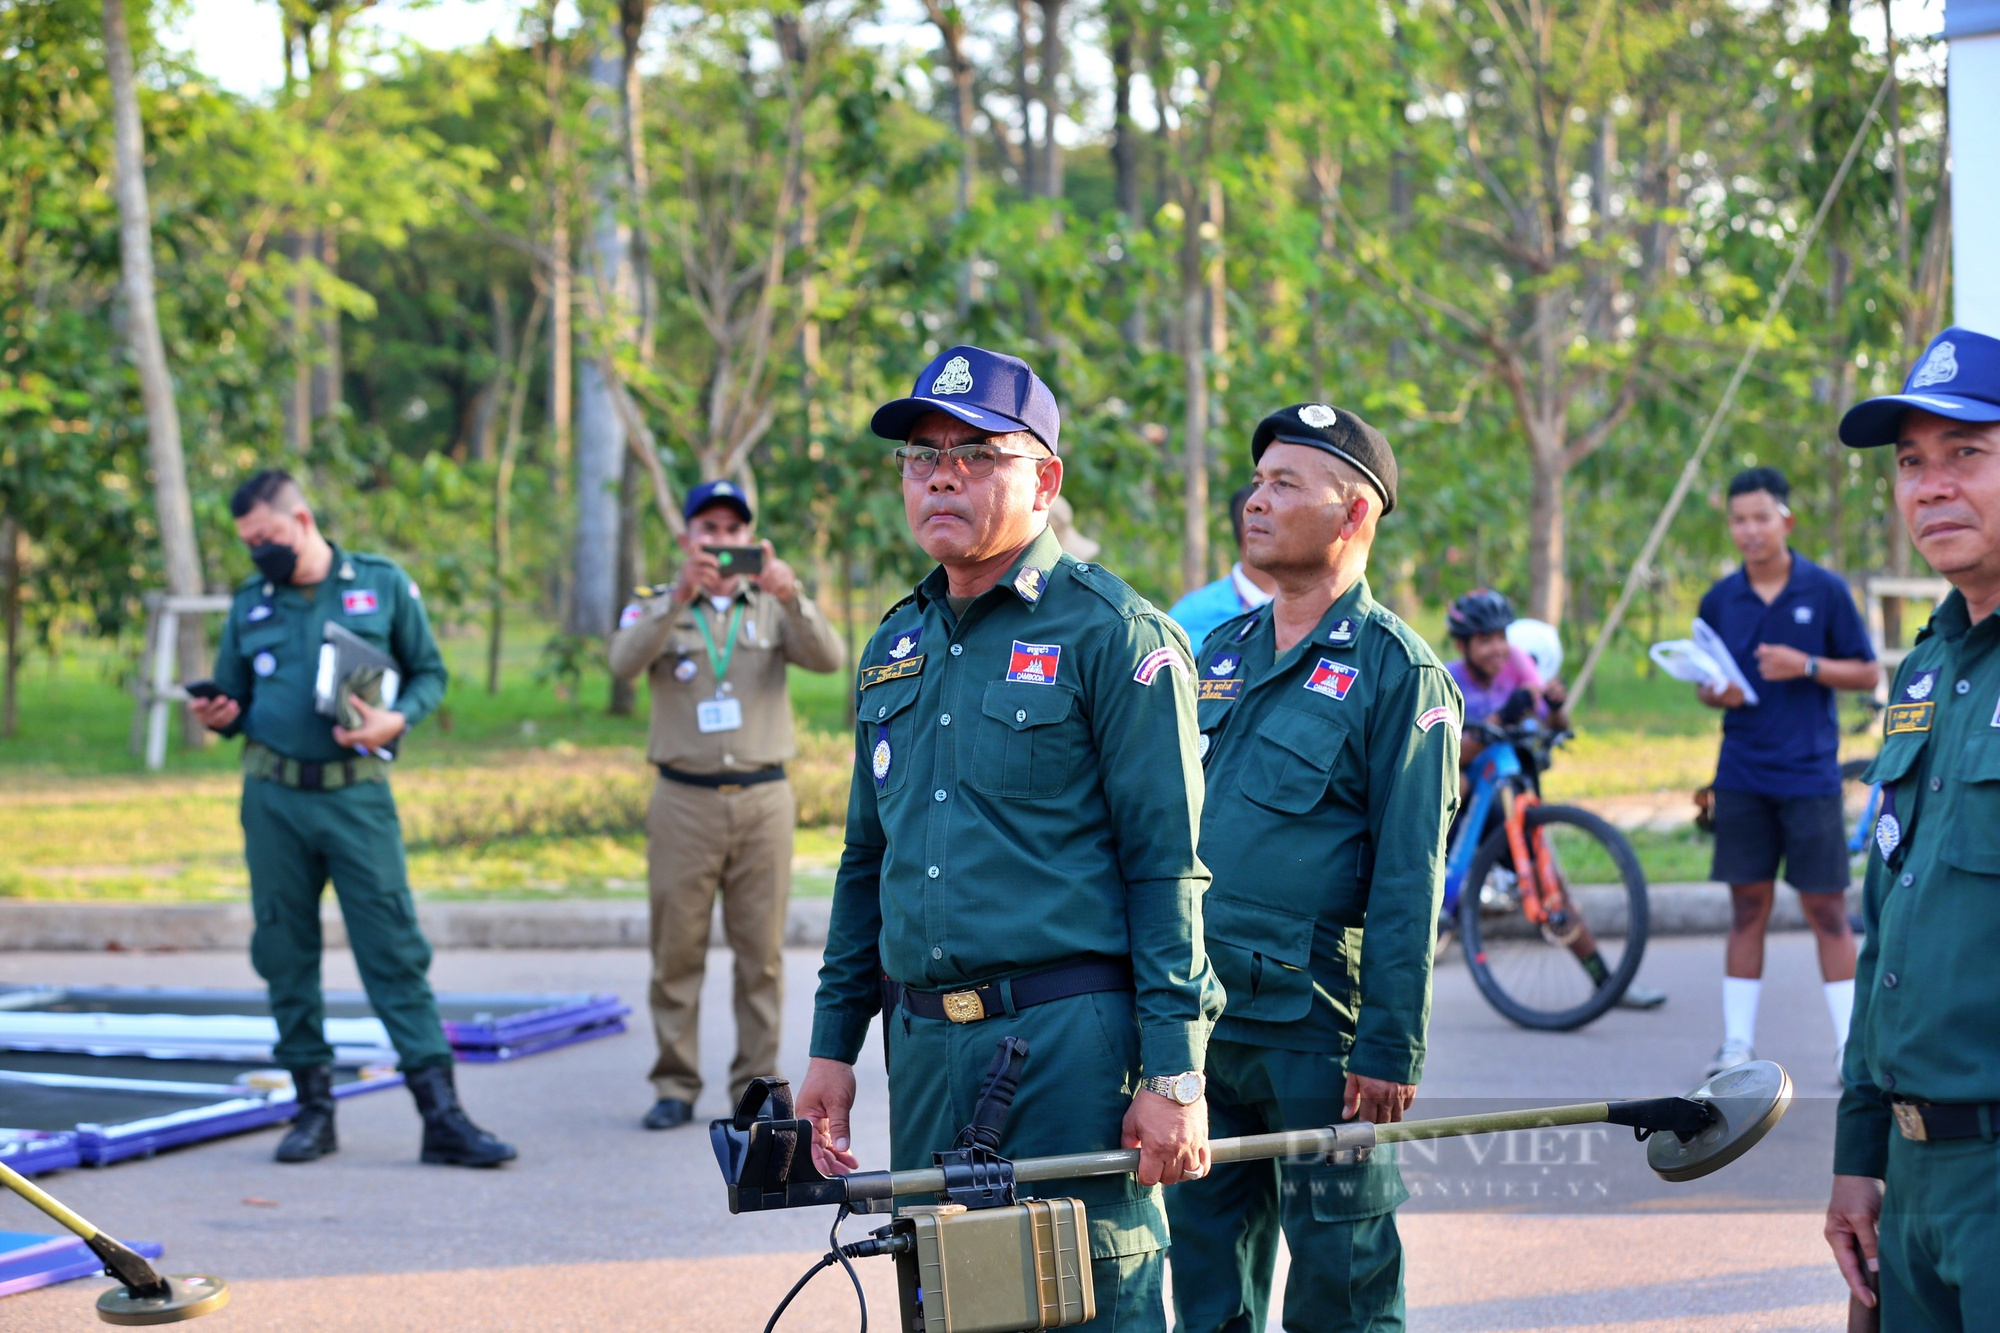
(1789, 744)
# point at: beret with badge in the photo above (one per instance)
(1336, 431)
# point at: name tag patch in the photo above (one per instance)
(359, 602)
(1902, 719)
(1217, 689)
(1035, 663)
(1160, 659)
(1331, 678)
(875, 675)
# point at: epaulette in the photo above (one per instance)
(1416, 650)
(250, 583)
(1123, 598)
(895, 607)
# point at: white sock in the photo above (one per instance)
(1739, 1009)
(1840, 1004)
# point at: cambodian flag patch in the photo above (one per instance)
(1035, 662)
(359, 602)
(1157, 661)
(1333, 679)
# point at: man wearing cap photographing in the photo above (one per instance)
(714, 647)
(1020, 854)
(1330, 735)
(1917, 1142)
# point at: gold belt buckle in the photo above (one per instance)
(964, 1006)
(1910, 1120)
(730, 788)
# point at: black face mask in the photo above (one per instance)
(275, 561)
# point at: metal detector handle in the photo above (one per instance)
(129, 1267)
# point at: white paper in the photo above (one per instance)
(1702, 660)
(1711, 643)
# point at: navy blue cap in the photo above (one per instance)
(1958, 376)
(721, 492)
(996, 393)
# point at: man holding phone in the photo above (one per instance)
(316, 805)
(714, 647)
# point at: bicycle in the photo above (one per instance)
(1527, 948)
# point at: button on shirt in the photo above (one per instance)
(664, 642)
(1332, 775)
(1788, 744)
(268, 660)
(1054, 817)
(1926, 989)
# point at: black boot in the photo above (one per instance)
(450, 1137)
(311, 1136)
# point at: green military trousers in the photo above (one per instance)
(1081, 1076)
(1339, 1219)
(1940, 1236)
(294, 841)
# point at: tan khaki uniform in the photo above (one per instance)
(735, 840)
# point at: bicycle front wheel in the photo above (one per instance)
(1539, 975)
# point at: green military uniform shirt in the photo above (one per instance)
(269, 656)
(1025, 792)
(1332, 774)
(1927, 989)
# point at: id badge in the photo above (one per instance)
(718, 715)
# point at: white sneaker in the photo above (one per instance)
(1732, 1054)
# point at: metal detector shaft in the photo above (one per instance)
(1254, 1147)
(123, 1262)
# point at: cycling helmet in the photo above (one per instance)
(1482, 611)
(1542, 642)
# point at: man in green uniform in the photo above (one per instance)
(1021, 838)
(1916, 1162)
(316, 804)
(1330, 735)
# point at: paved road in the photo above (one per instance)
(602, 1226)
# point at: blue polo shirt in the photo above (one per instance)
(1789, 744)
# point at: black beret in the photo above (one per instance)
(1338, 432)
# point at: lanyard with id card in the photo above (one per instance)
(723, 712)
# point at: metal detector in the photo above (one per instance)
(971, 1258)
(146, 1297)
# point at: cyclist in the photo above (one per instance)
(1502, 688)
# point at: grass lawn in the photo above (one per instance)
(524, 793)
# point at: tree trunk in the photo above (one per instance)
(1546, 508)
(298, 336)
(1051, 184)
(1838, 396)
(179, 550)
(1024, 95)
(503, 491)
(951, 33)
(600, 432)
(1125, 163)
(327, 362)
(1326, 171)
(487, 408)
(631, 570)
(11, 561)
(1194, 341)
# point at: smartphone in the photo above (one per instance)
(202, 689)
(738, 559)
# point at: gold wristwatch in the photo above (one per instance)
(1186, 1089)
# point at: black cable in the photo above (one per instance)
(827, 1260)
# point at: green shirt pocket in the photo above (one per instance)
(1024, 744)
(892, 742)
(1291, 760)
(1261, 954)
(1969, 841)
(1899, 755)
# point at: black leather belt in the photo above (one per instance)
(1082, 977)
(1924, 1123)
(723, 781)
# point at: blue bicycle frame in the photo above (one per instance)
(1492, 777)
(1857, 841)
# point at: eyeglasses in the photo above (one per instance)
(978, 459)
